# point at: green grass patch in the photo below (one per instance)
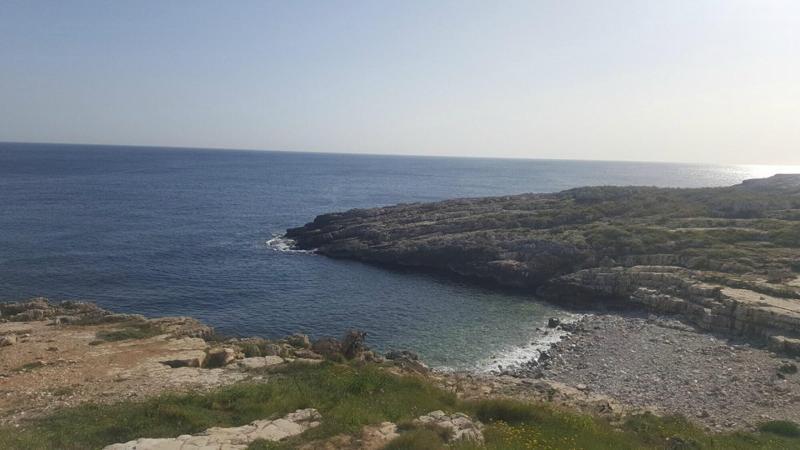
(349, 397)
(131, 331)
(781, 428)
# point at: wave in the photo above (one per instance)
(280, 243)
(516, 357)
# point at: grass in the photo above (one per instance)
(131, 331)
(349, 397)
(781, 428)
(417, 439)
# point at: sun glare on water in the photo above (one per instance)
(763, 171)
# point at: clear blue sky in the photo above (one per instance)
(705, 81)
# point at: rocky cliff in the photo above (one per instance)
(725, 258)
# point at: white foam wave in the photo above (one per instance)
(515, 357)
(280, 243)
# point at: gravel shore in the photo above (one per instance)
(663, 364)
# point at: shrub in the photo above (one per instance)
(130, 331)
(781, 428)
(508, 411)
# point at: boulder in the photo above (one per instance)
(220, 357)
(553, 322)
(189, 358)
(255, 362)
(9, 339)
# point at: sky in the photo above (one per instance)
(711, 81)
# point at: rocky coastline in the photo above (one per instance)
(725, 260)
(57, 355)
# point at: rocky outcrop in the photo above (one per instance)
(234, 438)
(459, 426)
(86, 313)
(63, 313)
(726, 259)
(674, 290)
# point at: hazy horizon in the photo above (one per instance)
(757, 170)
(695, 82)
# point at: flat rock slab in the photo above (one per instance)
(258, 362)
(52, 367)
(234, 438)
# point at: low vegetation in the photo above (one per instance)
(130, 331)
(349, 397)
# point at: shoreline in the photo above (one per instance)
(56, 361)
(646, 361)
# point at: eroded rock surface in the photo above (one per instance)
(234, 438)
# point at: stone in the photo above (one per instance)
(220, 357)
(307, 354)
(272, 360)
(9, 339)
(234, 438)
(189, 358)
(787, 368)
(553, 322)
(255, 362)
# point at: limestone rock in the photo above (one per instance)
(220, 357)
(307, 354)
(188, 358)
(235, 438)
(9, 339)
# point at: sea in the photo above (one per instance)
(196, 232)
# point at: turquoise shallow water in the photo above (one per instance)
(168, 231)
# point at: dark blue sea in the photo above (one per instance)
(184, 232)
